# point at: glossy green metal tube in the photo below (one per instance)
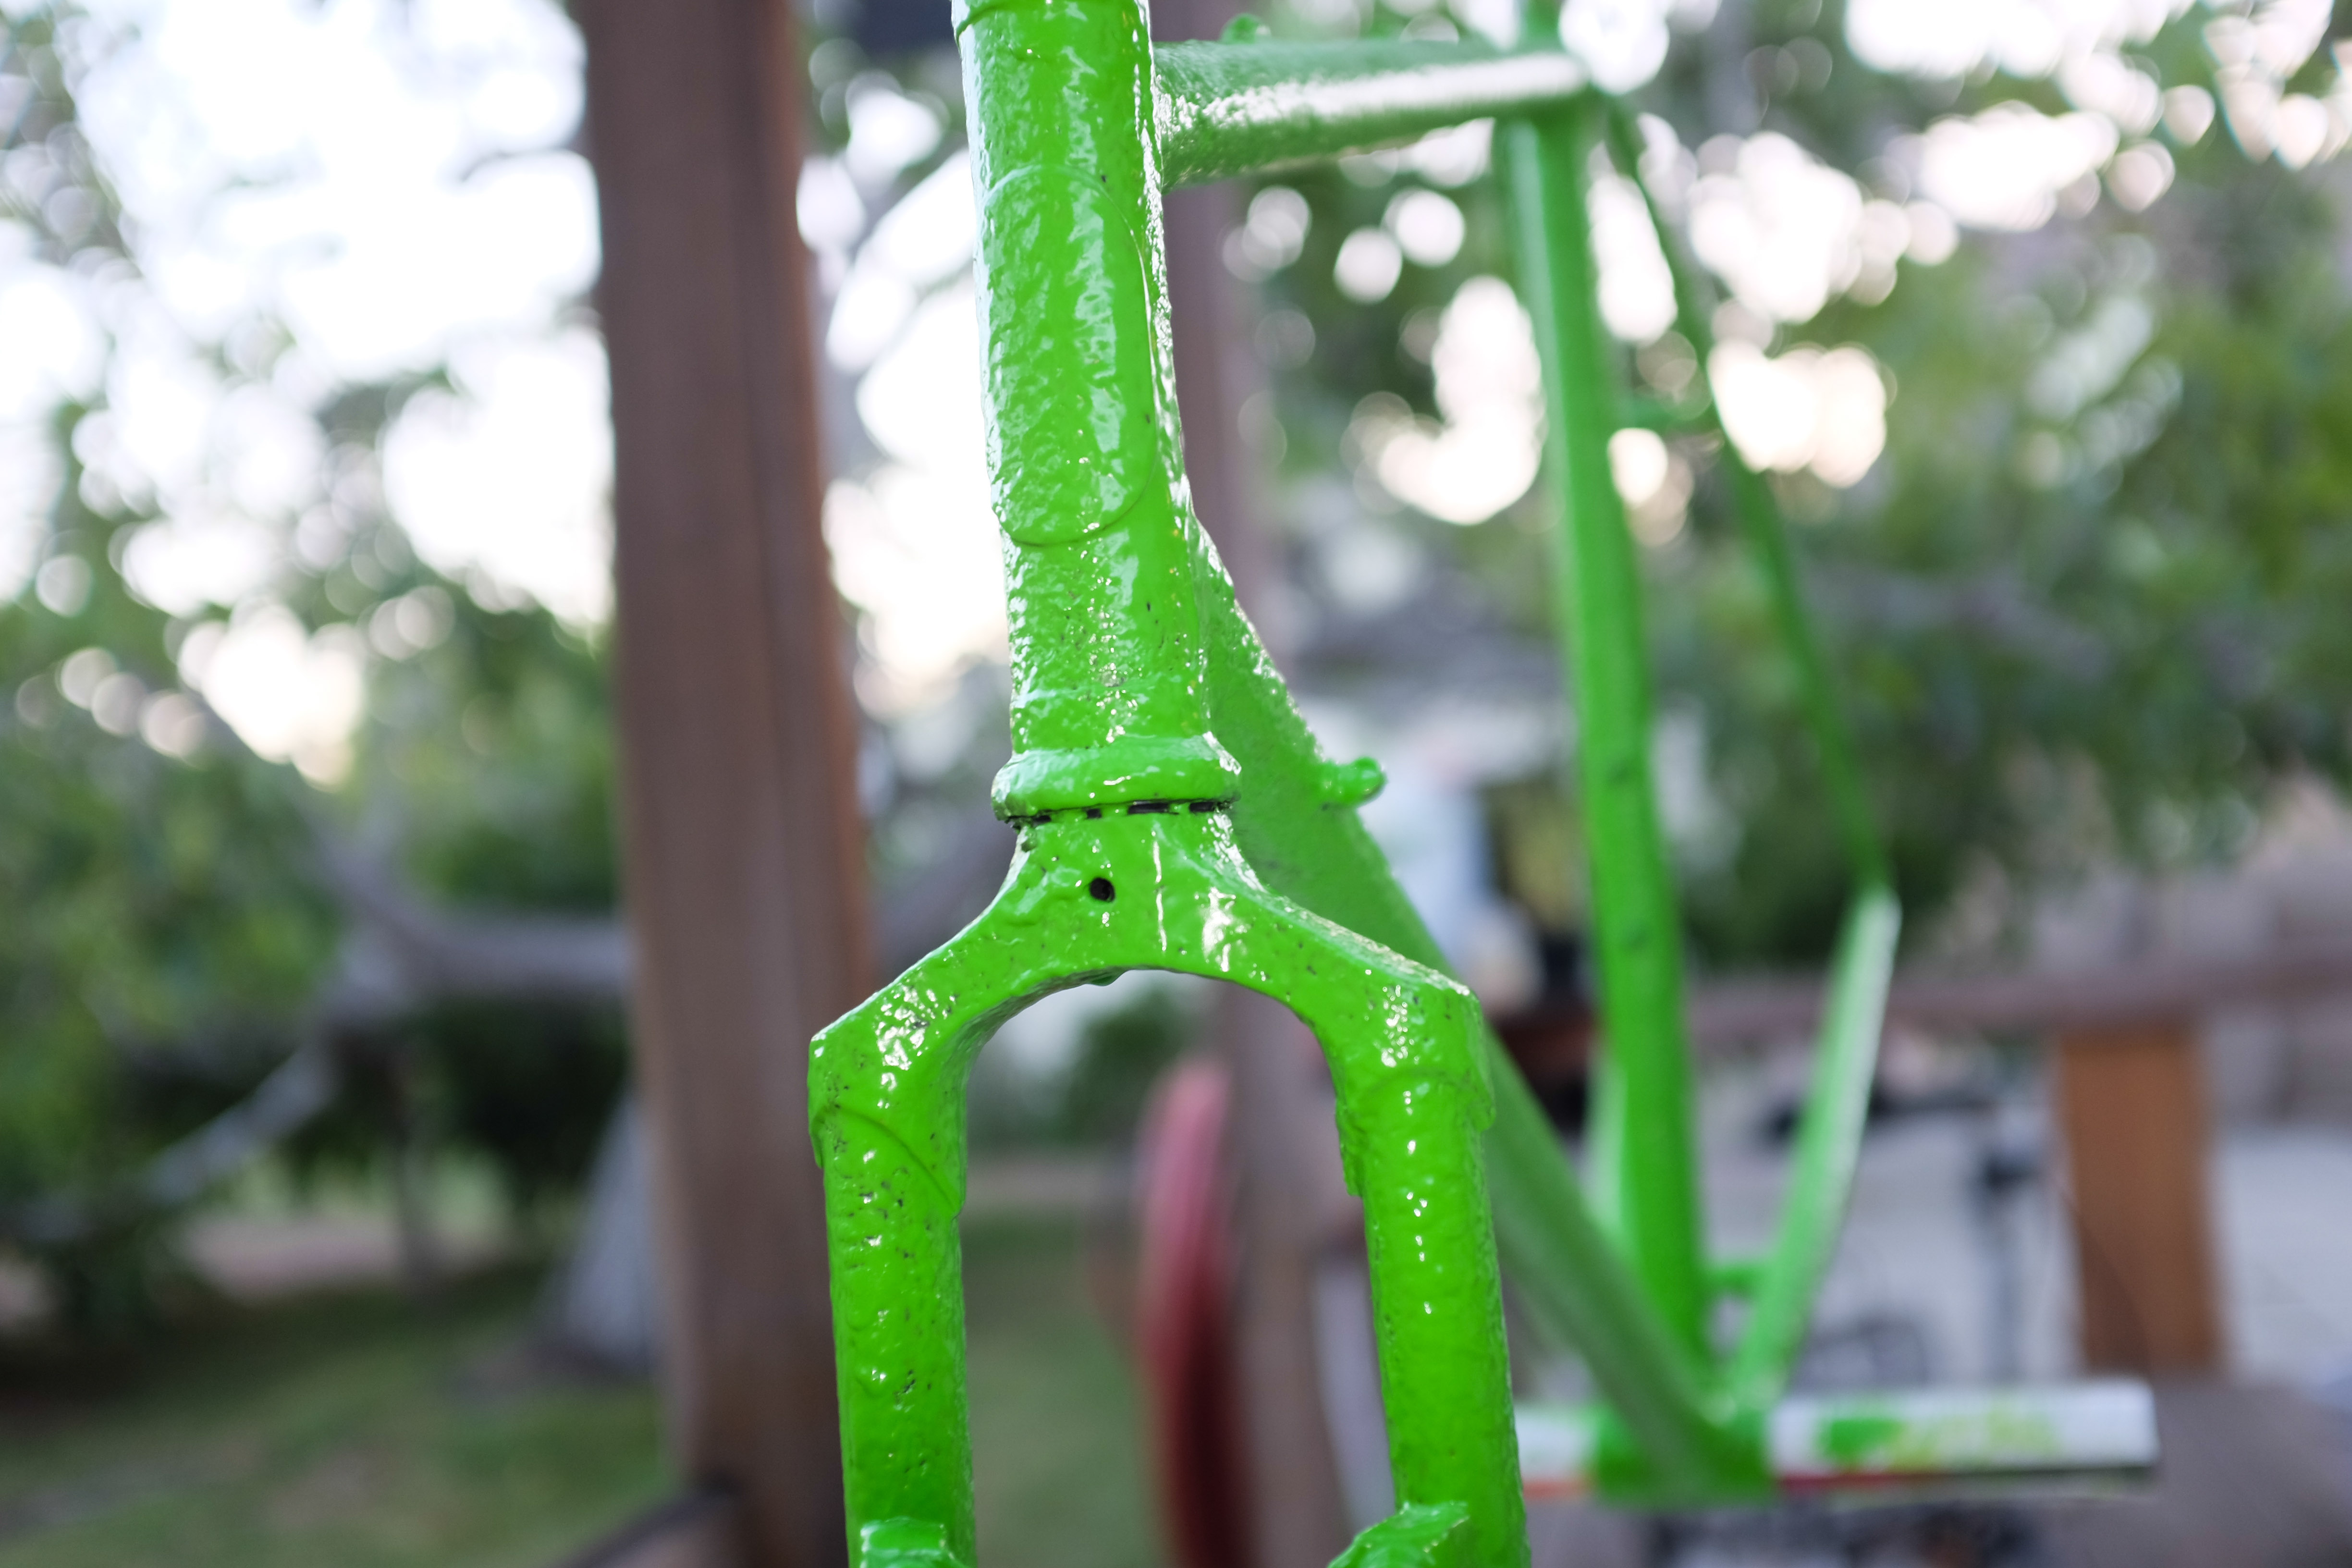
(1238, 108)
(1580, 1294)
(1129, 858)
(1142, 700)
(1089, 898)
(1107, 666)
(1846, 1055)
(1767, 538)
(1828, 1143)
(1909, 1444)
(1578, 1288)
(1643, 1125)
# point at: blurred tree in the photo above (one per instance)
(2083, 605)
(1095, 1099)
(181, 914)
(2079, 603)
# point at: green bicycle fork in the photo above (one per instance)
(1128, 858)
(1174, 813)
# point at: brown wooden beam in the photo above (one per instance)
(1217, 370)
(2132, 1105)
(745, 861)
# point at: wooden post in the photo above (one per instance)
(1217, 369)
(745, 861)
(2132, 1103)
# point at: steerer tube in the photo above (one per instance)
(1108, 668)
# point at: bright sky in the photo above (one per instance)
(388, 179)
(388, 176)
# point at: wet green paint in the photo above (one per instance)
(1176, 814)
(1090, 897)
(1856, 1441)
(1645, 1162)
(1226, 110)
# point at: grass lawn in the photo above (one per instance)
(363, 1431)
(1057, 1425)
(357, 1430)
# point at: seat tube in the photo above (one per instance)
(1643, 1114)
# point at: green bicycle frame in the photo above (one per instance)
(1175, 813)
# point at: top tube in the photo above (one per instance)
(1233, 109)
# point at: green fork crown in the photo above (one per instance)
(1088, 899)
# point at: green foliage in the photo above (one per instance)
(1122, 1054)
(2072, 622)
(169, 928)
(1095, 1100)
(2069, 627)
(165, 931)
(531, 1087)
(494, 751)
(355, 1430)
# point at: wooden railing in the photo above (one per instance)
(2130, 1103)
